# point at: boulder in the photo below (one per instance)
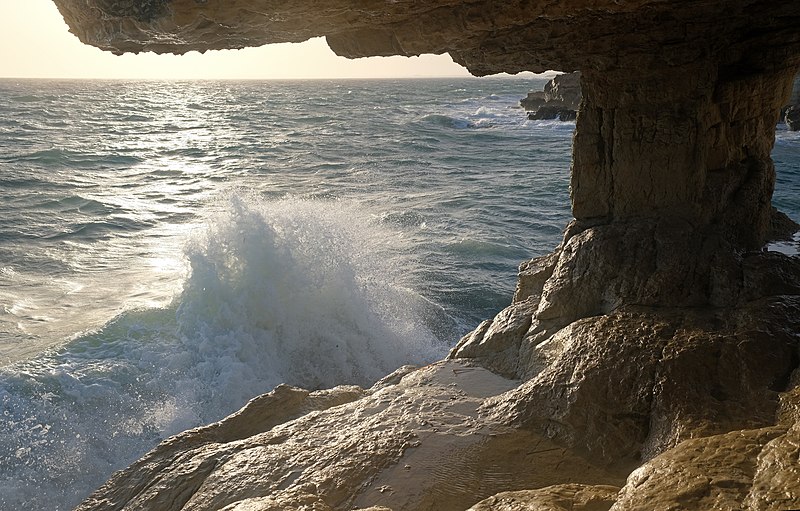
(533, 100)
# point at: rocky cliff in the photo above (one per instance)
(560, 98)
(791, 113)
(650, 362)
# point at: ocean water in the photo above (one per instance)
(169, 250)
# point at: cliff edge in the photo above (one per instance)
(650, 362)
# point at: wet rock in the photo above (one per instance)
(564, 497)
(548, 111)
(418, 444)
(716, 472)
(533, 100)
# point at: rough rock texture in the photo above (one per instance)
(417, 443)
(755, 469)
(560, 99)
(791, 112)
(657, 335)
(792, 117)
(563, 497)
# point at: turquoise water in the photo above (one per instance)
(169, 250)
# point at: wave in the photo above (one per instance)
(310, 293)
(304, 290)
(784, 136)
(135, 118)
(76, 203)
(30, 98)
(67, 158)
(446, 121)
(551, 124)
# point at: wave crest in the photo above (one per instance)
(303, 291)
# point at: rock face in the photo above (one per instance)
(791, 112)
(560, 99)
(656, 343)
(562, 497)
(414, 441)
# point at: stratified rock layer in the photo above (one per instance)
(656, 336)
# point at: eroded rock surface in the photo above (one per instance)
(755, 469)
(416, 444)
(560, 99)
(791, 112)
(563, 497)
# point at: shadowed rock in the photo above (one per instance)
(560, 99)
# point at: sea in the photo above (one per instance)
(171, 249)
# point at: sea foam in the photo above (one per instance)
(311, 293)
(302, 292)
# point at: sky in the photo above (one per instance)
(36, 43)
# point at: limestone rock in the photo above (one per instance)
(791, 112)
(417, 444)
(532, 276)
(707, 473)
(560, 99)
(567, 115)
(757, 469)
(259, 415)
(533, 100)
(563, 497)
(607, 393)
(495, 344)
(564, 89)
(792, 117)
(550, 111)
(794, 98)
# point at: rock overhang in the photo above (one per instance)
(680, 98)
(484, 36)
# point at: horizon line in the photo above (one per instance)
(284, 79)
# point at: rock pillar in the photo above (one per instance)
(690, 144)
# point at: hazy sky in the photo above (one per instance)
(35, 43)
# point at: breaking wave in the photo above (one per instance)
(310, 293)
